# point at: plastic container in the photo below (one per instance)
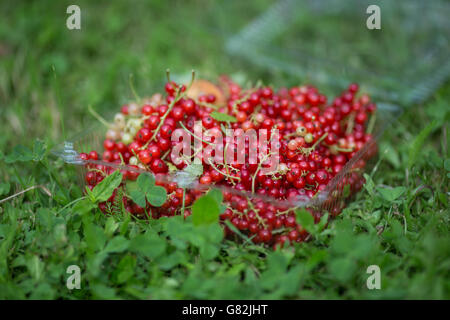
(332, 199)
(327, 42)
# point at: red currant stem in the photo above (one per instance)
(280, 230)
(193, 134)
(245, 97)
(222, 127)
(252, 207)
(183, 202)
(261, 221)
(350, 123)
(224, 174)
(273, 173)
(292, 134)
(311, 149)
(206, 104)
(235, 211)
(168, 74)
(319, 140)
(145, 146)
(134, 152)
(122, 162)
(258, 217)
(225, 155)
(133, 90)
(253, 115)
(344, 149)
(371, 124)
(177, 98)
(165, 154)
(99, 171)
(264, 158)
(99, 117)
(337, 149)
(196, 152)
(282, 212)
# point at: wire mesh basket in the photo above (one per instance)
(327, 42)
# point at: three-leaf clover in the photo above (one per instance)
(145, 189)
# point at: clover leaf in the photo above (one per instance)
(144, 189)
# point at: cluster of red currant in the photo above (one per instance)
(316, 139)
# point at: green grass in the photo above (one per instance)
(48, 77)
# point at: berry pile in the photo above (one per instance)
(317, 137)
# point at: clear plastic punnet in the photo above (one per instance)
(397, 49)
(262, 206)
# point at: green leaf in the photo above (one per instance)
(145, 182)
(194, 169)
(362, 247)
(346, 191)
(95, 236)
(43, 292)
(205, 210)
(45, 218)
(84, 206)
(223, 117)
(39, 149)
(111, 226)
(125, 269)
(416, 146)
(117, 244)
(172, 168)
(391, 194)
(217, 195)
(4, 188)
(317, 257)
(447, 164)
(149, 245)
(188, 175)
(106, 187)
(19, 153)
(101, 291)
(342, 243)
(305, 219)
(157, 196)
(35, 267)
(342, 269)
(138, 197)
(22, 153)
(369, 185)
(167, 262)
(390, 154)
(322, 223)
